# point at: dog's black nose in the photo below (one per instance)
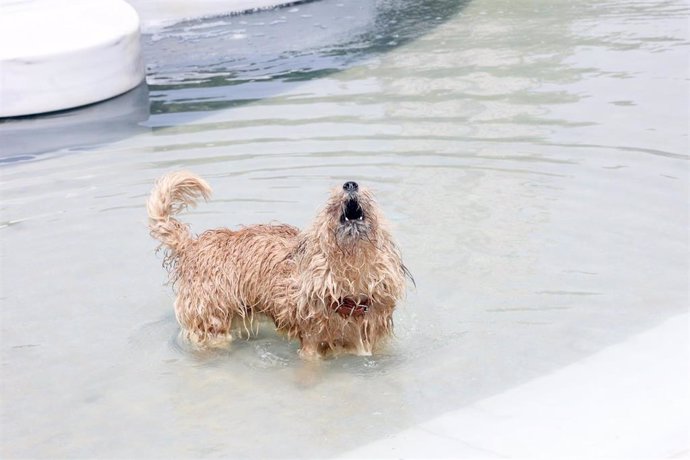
(350, 186)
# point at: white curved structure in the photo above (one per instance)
(159, 13)
(60, 54)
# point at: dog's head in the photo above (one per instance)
(348, 255)
(352, 214)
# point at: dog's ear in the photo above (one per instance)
(408, 274)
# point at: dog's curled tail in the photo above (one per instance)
(171, 194)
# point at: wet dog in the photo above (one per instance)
(333, 286)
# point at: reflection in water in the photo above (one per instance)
(25, 138)
(223, 62)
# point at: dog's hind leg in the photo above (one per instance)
(218, 333)
(204, 327)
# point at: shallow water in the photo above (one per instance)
(532, 158)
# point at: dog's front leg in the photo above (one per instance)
(312, 348)
(309, 353)
(362, 347)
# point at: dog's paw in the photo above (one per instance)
(309, 354)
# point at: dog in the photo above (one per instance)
(333, 286)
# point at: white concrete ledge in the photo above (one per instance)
(156, 13)
(60, 54)
(629, 401)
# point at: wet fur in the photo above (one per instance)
(296, 278)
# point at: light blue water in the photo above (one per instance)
(532, 158)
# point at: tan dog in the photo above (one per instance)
(333, 286)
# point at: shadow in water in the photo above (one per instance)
(23, 139)
(198, 66)
(205, 65)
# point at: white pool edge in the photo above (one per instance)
(157, 14)
(58, 55)
(630, 400)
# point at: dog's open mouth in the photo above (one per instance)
(352, 212)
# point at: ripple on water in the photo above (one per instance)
(539, 197)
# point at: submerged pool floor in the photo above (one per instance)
(532, 159)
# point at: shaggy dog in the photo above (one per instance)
(333, 286)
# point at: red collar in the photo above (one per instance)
(349, 307)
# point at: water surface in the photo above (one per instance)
(532, 158)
